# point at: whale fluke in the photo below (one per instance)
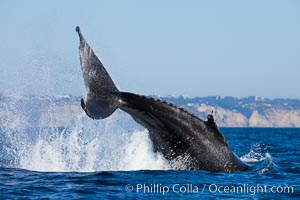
(185, 140)
(100, 101)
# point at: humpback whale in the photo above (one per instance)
(186, 141)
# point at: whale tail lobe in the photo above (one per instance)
(101, 100)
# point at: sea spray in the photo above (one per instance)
(116, 143)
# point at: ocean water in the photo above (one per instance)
(113, 159)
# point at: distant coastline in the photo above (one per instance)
(244, 112)
(40, 111)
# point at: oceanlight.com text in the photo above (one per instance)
(208, 188)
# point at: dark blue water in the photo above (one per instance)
(278, 179)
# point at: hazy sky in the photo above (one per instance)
(194, 48)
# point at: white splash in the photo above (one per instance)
(90, 146)
(139, 154)
(259, 159)
(256, 154)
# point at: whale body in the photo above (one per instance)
(186, 141)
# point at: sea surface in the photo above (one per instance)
(114, 160)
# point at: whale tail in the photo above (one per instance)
(178, 134)
(101, 100)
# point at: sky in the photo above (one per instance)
(191, 48)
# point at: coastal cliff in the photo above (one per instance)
(35, 111)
